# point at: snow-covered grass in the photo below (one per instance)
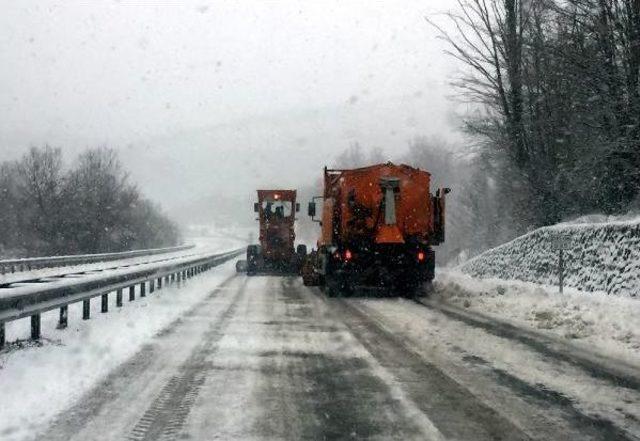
(38, 381)
(599, 257)
(91, 267)
(596, 321)
(222, 241)
(218, 242)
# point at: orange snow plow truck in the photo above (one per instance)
(378, 226)
(276, 210)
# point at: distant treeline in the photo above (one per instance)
(89, 207)
(557, 85)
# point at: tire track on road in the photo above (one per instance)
(168, 412)
(599, 367)
(74, 419)
(455, 412)
(372, 328)
(320, 384)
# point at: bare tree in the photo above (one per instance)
(40, 182)
(91, 208)
(558, 82)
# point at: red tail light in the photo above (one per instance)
(421, 256)
(348, 255)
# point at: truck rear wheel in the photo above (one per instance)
(337, 287)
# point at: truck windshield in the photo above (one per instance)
(277, 209)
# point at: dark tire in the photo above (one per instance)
(337, 287)
(253, 254)
(431, 269)
(241, 266)
(409, 291)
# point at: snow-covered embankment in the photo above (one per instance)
(519, 285)
(599, 257)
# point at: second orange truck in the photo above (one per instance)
(378, 226)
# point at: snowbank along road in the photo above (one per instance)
(261, 358)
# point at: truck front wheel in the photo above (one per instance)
(253, 254)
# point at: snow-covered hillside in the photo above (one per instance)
(599, 257)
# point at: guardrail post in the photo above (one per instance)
(119, 298)
(64, 317)
(86, 309)
(159, 282)
(152, 285)
(105, 303)
(132, 293)
(2, 335)
(561, 265)
(35, 327)
(143, 289)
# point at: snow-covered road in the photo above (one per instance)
(264, 357)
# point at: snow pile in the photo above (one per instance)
(599, 257)
(606, 324)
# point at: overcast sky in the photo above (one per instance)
(230, 95)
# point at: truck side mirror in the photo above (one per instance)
(256, 207)
(312, 209)
(297, 207)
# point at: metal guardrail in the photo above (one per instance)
(29, 263)
(35, 302)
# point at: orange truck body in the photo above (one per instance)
(378, 225)
(352, 193)
(277, 235)
(275, 252)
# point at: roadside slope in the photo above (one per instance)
(599, 257)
